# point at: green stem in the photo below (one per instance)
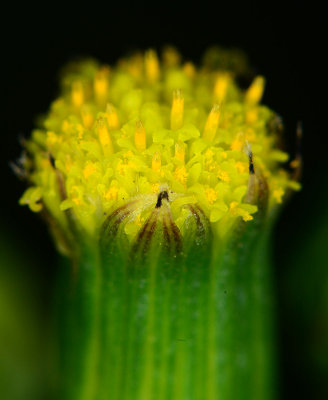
(194, 327)
(79, 326)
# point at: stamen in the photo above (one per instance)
(181, 174)
(189, 69)
(88, 170)
(171, 56)
(177, 110)
(140, 136)
(87, 117)
(156, 162)
(180, 151)
(220, 88)
(252, 115)
(135, 66)
(254, 93)
(212, 123)
(211, 195)
(112, 117)
(104, 136)
(100, 84)
(151, 66)
(201, 151)
(77, 94)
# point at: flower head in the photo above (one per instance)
(145, 133)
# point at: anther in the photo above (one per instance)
(156, 162)
(104, 136)
(189, 69)
(171, 57)
(87, 117)
(177, 110)
(112, 117)
(220, 88)
(151, 66)
(254, 93)
(100, 84)
(77, 94)
(212, 123)
(180, 151)
(140, 136)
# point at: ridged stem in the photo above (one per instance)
(197, 326)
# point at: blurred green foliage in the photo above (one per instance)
(304, 298)
(24, 349)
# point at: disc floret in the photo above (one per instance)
(116, 135)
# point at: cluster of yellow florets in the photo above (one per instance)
(141, 127)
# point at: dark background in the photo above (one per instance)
(284, 42)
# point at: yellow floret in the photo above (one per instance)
(235, 210)
(87, 117)
(151, 66)
(278, 194)
(89, 169)
(111, 193)
(212, 123)
(119, 136)
(221, 86)
(255, 91)
(177, 110)
(112, 117)
(101, 84)
(140, 136)
(104, 136)
(77, 94)
(156, 162)
(211, 195)
(181, 174)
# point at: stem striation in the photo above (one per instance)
(153, 324)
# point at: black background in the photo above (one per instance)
(284, 41)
